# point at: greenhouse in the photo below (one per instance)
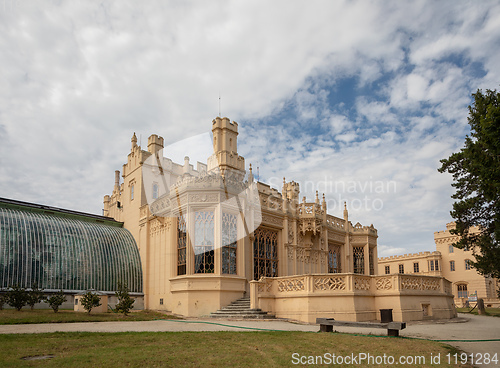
(65, 250)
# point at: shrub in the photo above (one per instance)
(90, 300)
(125, 302)
(2, 301)
(35, 295)
(17, 297)
(56, 300)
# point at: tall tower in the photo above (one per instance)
(225, 143)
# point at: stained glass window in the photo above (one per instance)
(204, 242)
(181, 245)
(334, 259)
(359, 260)
(229, 243)
(265, 251)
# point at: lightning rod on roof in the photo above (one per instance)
(219, 104)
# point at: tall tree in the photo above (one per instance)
(476, 177)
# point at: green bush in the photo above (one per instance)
(90, 300)
(35, 295)
(2, 301)
(56, 300)
(17, 297)
(125, 302)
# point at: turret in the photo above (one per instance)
(134, 141)
(225, 143)
(155, 143)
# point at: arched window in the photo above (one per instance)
(462, 290)
(468, 264)
(450, 249)
(334, 259)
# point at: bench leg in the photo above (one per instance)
(325, 328)
(393, 333)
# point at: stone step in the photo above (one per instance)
(241, 309)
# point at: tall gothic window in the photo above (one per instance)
(229, 243)
(181, 245)
(204, 242)
(265, 253)
(371, 261)
(334, 259)
(359, 260)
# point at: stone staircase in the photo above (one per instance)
(240, 309)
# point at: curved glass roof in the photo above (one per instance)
(67, 253)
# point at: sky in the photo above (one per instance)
(359, 100)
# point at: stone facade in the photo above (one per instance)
(449, 262)
(205, 234)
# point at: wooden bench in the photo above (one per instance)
(393, 328)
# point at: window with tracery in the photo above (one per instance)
(181, 245)
(359, 259)
(204, 242)
(334, 259)
(229, 243)
(265, 253)
(371, 261)
(462, 290)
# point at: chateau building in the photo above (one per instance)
(209, 235)
(449, 262)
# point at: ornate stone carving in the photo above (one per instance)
(204, 197)
(361, 283)
(384, 283)
(272, 220)
(295, 284)
(329, 283)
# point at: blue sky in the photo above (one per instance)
(357, 99)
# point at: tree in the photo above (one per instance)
(35, 295)
(90, 300)
(56, 300)
(476, 177)
(17, 297)
(125, 302)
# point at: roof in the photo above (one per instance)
(49, 210)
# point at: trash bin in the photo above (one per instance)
(386, 315)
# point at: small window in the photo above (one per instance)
(452, 265)
(76, 301)
(450, 249)
(468, 265)
(132, 192)
(416, 267)
(387, 270)
(436, 265)
(462, 290)
(155, 191)
(161, 301)
(401, 268)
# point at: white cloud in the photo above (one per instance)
(78, 78)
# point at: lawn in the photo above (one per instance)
(207, 349)
(11, 317)
(489, 311)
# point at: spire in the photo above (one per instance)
(346, 214)
(250, 174)
(317, 198)
(134, 141)
(323, 203)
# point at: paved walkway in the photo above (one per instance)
(467, 327)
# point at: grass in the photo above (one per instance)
(489, 311)
(13, 317)
(205, 349)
